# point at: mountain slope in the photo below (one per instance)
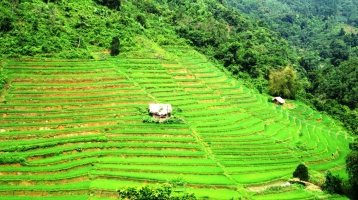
(76, 128)
(77, 28)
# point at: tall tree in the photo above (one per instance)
(115, 46)
(301, 172)
(352, 166)
(284, 83)
(112, 4)
(333, 184)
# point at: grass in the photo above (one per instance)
(180, 169)
(66, 197)
(84, 185)
(157, 161)
(294, 194)
(59, 176)
(162, 177)
(254, 177)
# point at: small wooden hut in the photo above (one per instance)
(160, 110)
(278, 100)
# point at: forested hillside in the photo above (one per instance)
(70, 29)
(324, 36)
(75, 29)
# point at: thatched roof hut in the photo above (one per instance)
(161, 110)
(278, 100)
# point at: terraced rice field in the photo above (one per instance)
(74, 130)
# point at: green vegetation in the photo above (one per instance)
(333, 184)
(301, 172)
(79, 75)
(250, 46)
(87, 132)
(115, 45)
(284, 83)
(352, 166)
(146, 193)
(324, 36)
(3, 78)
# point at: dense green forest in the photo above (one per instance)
(324, 37)
(77, 29)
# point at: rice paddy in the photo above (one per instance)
(74, 130)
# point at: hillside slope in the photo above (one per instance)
(73, 130)
(322, 34)
(76, 29)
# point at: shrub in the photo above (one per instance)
(12, 160)
(148, 119)
(352, 166)
(112, 4)
(178, 181)
(3, 78)
(141, 19)
(115, 44)
(333, 184)
(173, 120)
(301, 172)
(163, 192)
(142, 110)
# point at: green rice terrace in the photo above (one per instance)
(74, 130)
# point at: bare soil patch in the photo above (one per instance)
(289, 105)
(60, 127)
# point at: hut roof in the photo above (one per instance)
(279, 99)
(160, 109)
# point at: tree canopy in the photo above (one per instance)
(301, 172)
(333, 184)
(164, 192)
(324, 36)
(352, 166)
(284, 83)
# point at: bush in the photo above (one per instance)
(174, 120)
(141, 19)
(148, 119)
(142, 110)
(163, 192)
(115, 44)
(333, 184)
(112, 4)
(12, 160)
(3, 78)
(301, 172)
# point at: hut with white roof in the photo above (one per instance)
(278, 100)
(160, 110)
